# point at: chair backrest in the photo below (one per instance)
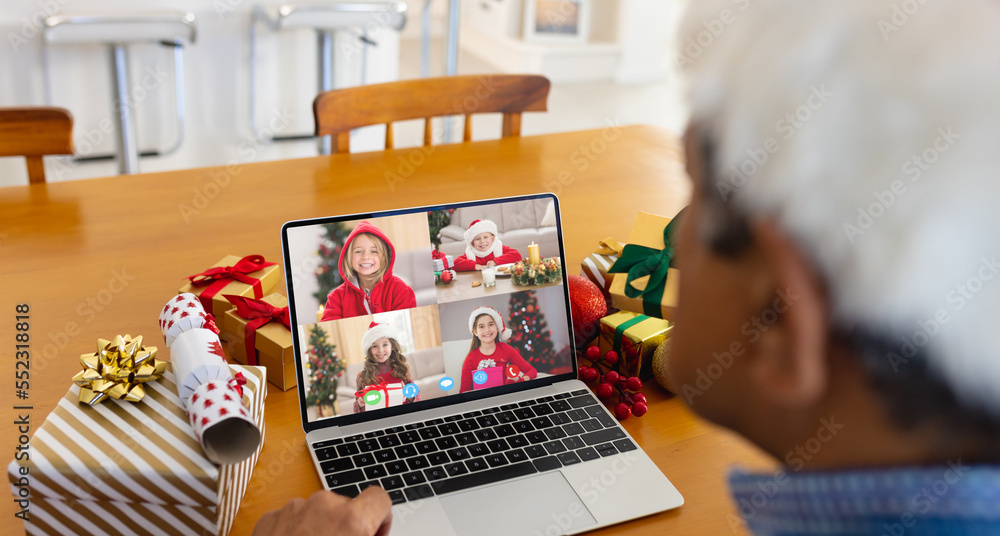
(339, 111)
(33, 132)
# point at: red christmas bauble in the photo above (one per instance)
(588, 307)
(530, 308)
(446, 276)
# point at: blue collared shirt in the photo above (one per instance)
(947, 499)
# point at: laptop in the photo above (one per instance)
(455, 388)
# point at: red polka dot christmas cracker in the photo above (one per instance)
(211, 396)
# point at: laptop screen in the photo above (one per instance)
(397, 311)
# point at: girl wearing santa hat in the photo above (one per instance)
(384, 362)
(483, 249)
(489, 351)
(369, 287)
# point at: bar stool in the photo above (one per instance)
(117, 32)
(326, 20)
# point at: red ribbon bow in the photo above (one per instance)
(258, 313)
(238, 382)
(383, 386)
(217, 278)
(435, 254)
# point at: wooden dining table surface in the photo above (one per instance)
(99, 257)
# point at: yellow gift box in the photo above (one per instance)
(635, 338)
(595, 266)
(269, 277)
(131, 467)
(272, 344)
(647, 231)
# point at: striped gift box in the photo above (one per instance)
(595, 266)
(124, 468)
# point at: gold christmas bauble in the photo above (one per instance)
(660, 370)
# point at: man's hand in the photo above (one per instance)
(325, 512)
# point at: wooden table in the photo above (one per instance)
(461, 288)
(95, 258)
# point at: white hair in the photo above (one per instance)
(870, 131)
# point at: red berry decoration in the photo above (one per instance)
(611, 357)
(593, 353)
(612, 377)
(622, 411)
(633, 384)
(605, 390)
(592, 375)
(639, 397)
(639, 409)
(588, 306)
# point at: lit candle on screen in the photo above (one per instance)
(533, 256)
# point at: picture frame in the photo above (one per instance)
(557, 21)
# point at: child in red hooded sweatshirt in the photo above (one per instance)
(483, 249)
(369, 286)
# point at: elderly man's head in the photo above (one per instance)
(842, 254)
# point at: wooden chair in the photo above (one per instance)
(33, 132)
(339, 111)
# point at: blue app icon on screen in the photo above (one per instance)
(411, 390)
(446, 383)
(479, 377)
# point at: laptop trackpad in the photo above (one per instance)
(544, 503)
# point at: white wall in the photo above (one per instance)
(216, 84)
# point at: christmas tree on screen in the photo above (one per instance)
(530, 333)
(327, 272)
(325, 368)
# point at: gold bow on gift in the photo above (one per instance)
(118, 370)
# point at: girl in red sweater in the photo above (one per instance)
(483, 249)
(369, 286)
(496, 357)
(383, 362)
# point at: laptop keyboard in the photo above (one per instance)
(458, 452)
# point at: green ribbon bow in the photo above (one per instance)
(647, 271)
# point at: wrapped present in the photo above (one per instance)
(382, 395)
(494, 378)
(258, 333)
(250, 276)
(635, 338)
(644, 282)
(595, 266)
(441, 261)
(131, 468)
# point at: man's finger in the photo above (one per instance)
(375, 506)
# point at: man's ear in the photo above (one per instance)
(789, 361)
